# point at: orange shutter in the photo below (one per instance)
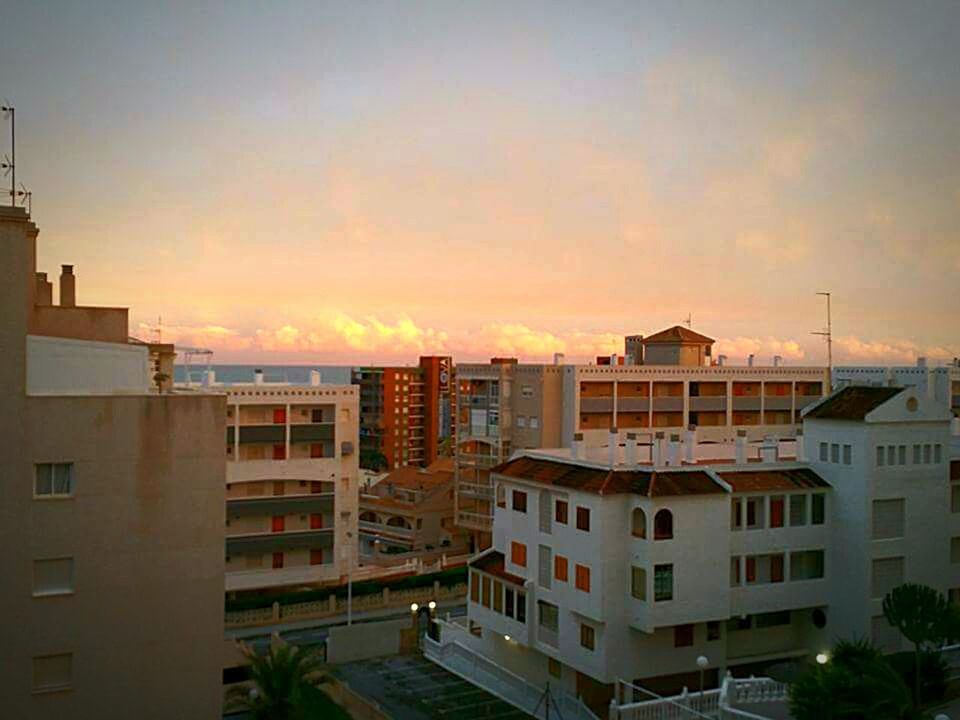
(518, 554)
(560, 568)
(583, 578)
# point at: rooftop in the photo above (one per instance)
(851, 403)
(677, 334)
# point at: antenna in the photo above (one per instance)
(689, 321)
(829, 337)
(27, 196)
(9, 164)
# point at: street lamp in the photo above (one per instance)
(702, 663)
(432, 605)
(414, 607)
(822, 658)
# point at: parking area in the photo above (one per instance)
(410, 687)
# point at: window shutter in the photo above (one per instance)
(545, 568)
(888, 518)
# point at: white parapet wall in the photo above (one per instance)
(62, 366)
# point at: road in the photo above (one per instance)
(315, 631)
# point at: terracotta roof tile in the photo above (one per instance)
(494, 563)
(767, 480)
(677, 334)
(852, 403)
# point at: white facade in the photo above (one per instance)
(768, 560)
(939, 383)
(64, 366)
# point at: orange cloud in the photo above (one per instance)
(764, 348)
(850, 348)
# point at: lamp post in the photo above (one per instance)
(702, 663)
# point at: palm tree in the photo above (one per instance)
(922, 615)
(283, 682)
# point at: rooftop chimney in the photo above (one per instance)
(721, 360)
(44, 292)
(659, 456)
(770, 450)
(921, 361)
(777, 360)
(314, 377)
(209, 378)
(68, 287)
(741, 447)
(690, 443)
(258, 377)
(631, 449)
(750, 360)
(674, 449)
(576, 447)
(613, 446)
(559, 358)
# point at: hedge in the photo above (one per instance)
(446, 578)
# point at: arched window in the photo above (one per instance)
(663, 525)
(397, 521)
(639, 523)
(368, 516)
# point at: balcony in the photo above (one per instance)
(301, 575)
(596, 404)
(777, 402)
(280, 505)
(280, 541)
(475, 490)
(708, 404)
(477, 461)
(633, 404)
(314, 432)
(668, 404)
(261, 434)
(771, 597)
(744, 402)
(375, 528)
(474, 521)
(296, 469)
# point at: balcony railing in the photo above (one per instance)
(384, 529)
(474, 521)
(264, 578)
(480, 461)
(475, 490)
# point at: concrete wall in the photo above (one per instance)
(61, 366)
(348, 643)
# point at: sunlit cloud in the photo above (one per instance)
(852, 349)
(738, 349)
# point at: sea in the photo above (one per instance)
(296, 374)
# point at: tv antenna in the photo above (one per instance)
(689, 321)
(27, 196)
(828, 335)
(9, 164)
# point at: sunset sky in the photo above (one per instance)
(363, 182)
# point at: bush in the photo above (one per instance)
(446, 578)
(933, 673)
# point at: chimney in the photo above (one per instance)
(613, 358)
(576, 447)
(314, 378)
(674, 449)
(721, 360)
(631, 449)
(559, 358)
(613, 446)
(921, 361)
(770, 449)
(258, 377)
(659, 456)
(801, 455)
(777, 360)
(690, 444)
(750, 360)
(44, 292)
(741, 447)
(68, 287)
(209, 378)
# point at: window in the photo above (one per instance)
(891, 455)
(588, 637)
(53, 576)
(663, 525)
(916, 454)
(501, 496)
(662, 582)
(52, 672)
(776, 568)
(880, 456)
(518, 554)
(638, 583)
(279, 416)
(772, 619)
(739, 623)
(277, 560)
(549, 616)
(847, 454)
(798, 510)
(277, 523)
(508, 602)
(485, 586)
(278, 488)
(497, 596)
(754, 513)
(534, 422)
(53, 480)
(521, 607)
(560, 514)
(316, 557)
(955, 497)
(544, 568)
(543, 506)
(583, 519)
(776, 511)
(955, 550)
(902, 454)
(316, 415)
(639, 523)
(474, 587)
(279, 452)
(316, 521)
(736, 521)
(560, 568)
(888, 518)
(806, 565)
(521, 421)
(682, 635)
(926, 454)
(734, 571)
(713, 630)
(818, 510)
(519, 501)
(316, 487)
(316, 450)
(582, 579)
(834, 453)
(751, 563)
(887, 574)
(823, 452)
(526, 391)
(554, 667)
(937, 453)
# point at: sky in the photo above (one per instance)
(365, 182)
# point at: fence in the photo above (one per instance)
(720, 703)
(333, 605)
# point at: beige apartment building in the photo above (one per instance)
(292, 483)
(667, 383)
(110, 513)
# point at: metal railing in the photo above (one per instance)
(632, 702)
(475, 521)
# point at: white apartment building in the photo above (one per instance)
(940, 383)
(292, 483)
(629, 562)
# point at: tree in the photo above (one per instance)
(283, 685)
(923, 616)
(856, 683)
